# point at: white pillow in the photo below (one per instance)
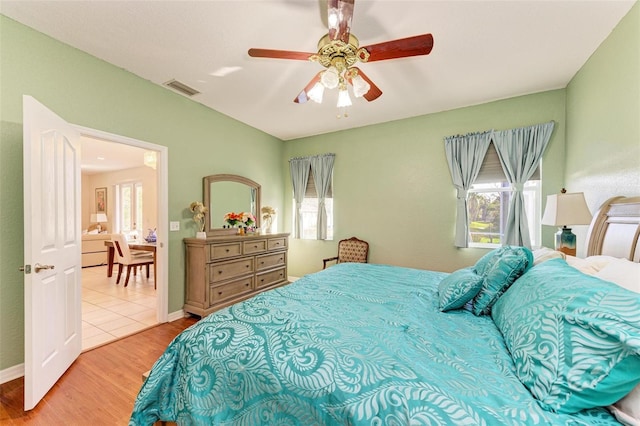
(590, 265)
(545, 253)
(581, 265)
(627, 410)
(622, 272)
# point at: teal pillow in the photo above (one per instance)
(574, 338)
(458, 288)
(499, 269)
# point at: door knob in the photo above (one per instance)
(38, 267)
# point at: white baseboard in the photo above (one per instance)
(174, 316)
(292, 279)
(11, 373)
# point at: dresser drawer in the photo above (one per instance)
(268, 278)
(277, 243)
(253, 247)
(226, 270)
(267, 261)
(223, 251)
(229, 290)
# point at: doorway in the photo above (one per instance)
(112, 164)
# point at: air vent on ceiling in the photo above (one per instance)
(181, 87)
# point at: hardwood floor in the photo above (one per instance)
(99, 388)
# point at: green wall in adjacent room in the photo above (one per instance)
(392, 185)
(90, 92)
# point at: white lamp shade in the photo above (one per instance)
(99, 217)
(360, 86)
(330, 78)
(316, 92)
(343, 99)
(566, 209)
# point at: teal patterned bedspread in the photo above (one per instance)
(355, 344)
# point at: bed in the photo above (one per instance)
(518, 338)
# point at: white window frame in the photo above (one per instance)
(132, 226)
(533, 201)
(309, 211)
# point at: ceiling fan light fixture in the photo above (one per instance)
(360, 86)
(343, 98)
(316, 93)
(330, 78)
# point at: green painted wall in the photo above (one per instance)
(89, 92)
(603, 119)
(392, 185)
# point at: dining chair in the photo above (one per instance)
(350, 250)
(124, 257)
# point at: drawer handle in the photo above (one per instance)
(255, 246)
(227, 250)
(246, 285)
(246, 266)
(262, 280)
(262, 262)
(219, 293)
(281, 259)
(219, 272)
(277, 244)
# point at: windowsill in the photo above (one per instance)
(484, 245)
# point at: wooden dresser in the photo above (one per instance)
(223, 270)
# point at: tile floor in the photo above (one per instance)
(111, 311)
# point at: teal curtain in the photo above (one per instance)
(465, 155)
(520, 151)
(299, 169)
(322, 170)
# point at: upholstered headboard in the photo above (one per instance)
(615, 229)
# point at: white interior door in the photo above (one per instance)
(52, 297)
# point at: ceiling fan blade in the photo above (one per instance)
(401, 48)
(374, 92)
(302, 96)
(279, 54)
(340, 13)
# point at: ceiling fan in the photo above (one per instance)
(339, 50)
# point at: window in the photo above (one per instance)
(129, 208)
(309, 211)
(488, 204)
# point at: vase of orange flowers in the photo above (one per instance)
(233, 219)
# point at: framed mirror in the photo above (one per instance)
(226, 193)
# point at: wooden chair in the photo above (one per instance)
(124, 257)
(350, 250)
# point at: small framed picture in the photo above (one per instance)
(101, 200)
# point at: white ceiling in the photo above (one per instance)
(100, 156)
(483, 51)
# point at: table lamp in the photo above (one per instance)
(99, 217)
(566, 209)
